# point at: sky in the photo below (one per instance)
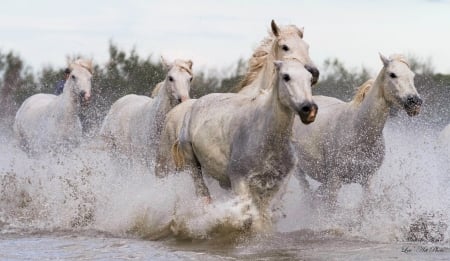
(215, 34)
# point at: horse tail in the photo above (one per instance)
(177, 155)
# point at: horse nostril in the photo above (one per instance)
(413, 100)
(82, 93)
(306, 108)
(179, 100)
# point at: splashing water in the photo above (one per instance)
(86, 189)
(409, 199)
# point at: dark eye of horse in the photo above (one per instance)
(285, 48)
(170, 78)
(73, 77)
(286, 77)
(392, 75)
(190, 79)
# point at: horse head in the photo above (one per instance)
(80, 79)
(398, 84)
(178, 80)
(289, 43)
(294, 89)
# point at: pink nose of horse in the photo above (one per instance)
(85, 95)
(308, 112)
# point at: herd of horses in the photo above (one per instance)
(250, 141)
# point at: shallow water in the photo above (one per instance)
(84, 205)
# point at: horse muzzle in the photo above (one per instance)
(85, 96)
(412, 105)
(308, 112)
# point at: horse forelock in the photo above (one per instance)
(288, 30)
(399, 58)
(183, 65)
(86, 64)
(362, 91)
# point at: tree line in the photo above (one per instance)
(127, 72)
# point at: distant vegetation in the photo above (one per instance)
(126, 73)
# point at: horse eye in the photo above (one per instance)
(73, 77)
(286, 77)
(392, 75)
(190, 79)
(170, 78)
(285, 48)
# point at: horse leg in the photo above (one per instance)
(329, 190)
(195, 169)
(164, 161)
(303, 183)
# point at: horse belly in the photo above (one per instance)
(212, 159)
(32, 118)
(117, 124)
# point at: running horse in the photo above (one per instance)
(244, 142)
(345, 144)
(48, 122)
(134, 123)
(282, 42)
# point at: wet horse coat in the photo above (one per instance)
(282, 42)
(49, 122)
(244, 142)
(134, 123)
(345, 144)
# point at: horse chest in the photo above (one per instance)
(269, 171)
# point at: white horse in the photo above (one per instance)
(282, 42)
(134, 123)
(244, 142)
(345, 144)
(48, 122)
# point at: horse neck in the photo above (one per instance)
(157, 109)
(161, 102)
(279, 118)
(67, 103)
(373, 110)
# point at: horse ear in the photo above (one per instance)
(165, 63)
(384, 59)
(278, 64)
(190, 63)
(275, 28)
(301, 31)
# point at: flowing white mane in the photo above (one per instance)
(264, 52)
(362, 91)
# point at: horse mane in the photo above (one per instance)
(156, 90)
(362, 91)
(86, 64)
(261, 54)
